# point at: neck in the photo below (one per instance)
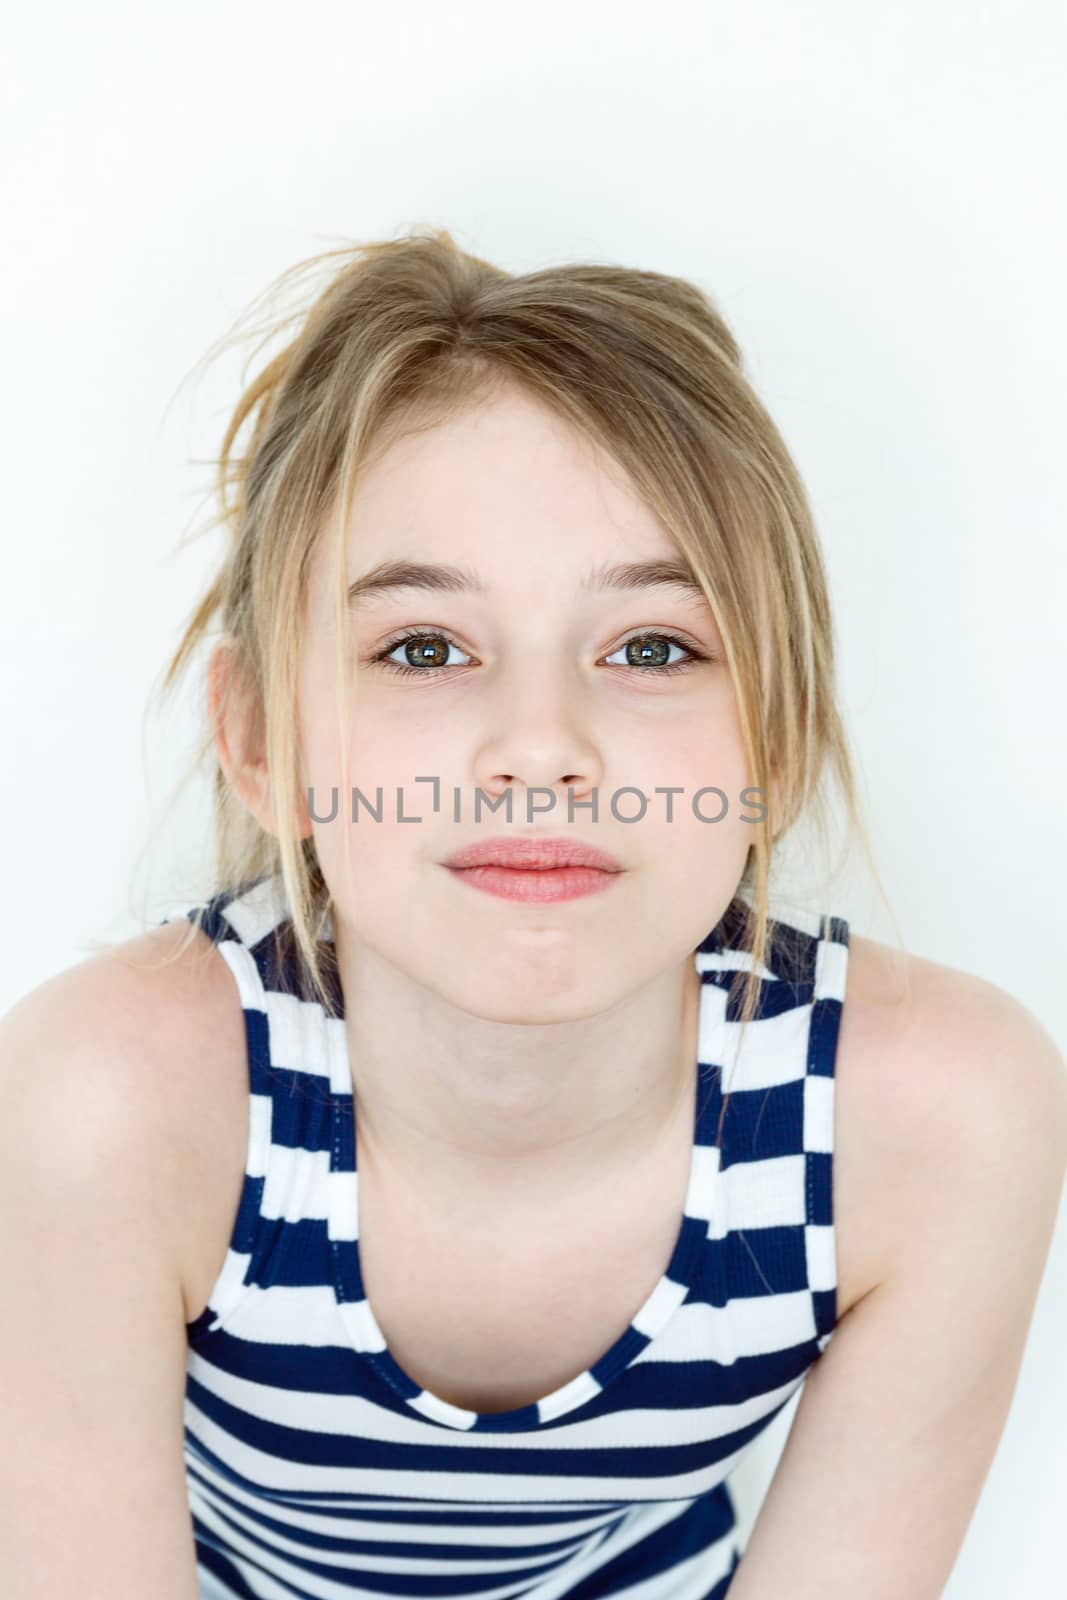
(468, 1108)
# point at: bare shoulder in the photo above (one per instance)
(143, 1045)
(943, 1080)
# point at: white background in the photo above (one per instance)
(872, 194)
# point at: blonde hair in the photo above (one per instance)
(406, 331)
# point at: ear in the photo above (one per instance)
(236, 718)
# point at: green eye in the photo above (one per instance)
(432, 650)
(652, 652)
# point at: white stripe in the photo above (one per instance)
(831, 967)
(818, 1113)
(246, 974)
(819, 1249)
(770, 1322)
(296, 1184)
(258, 911)
(765, 1194)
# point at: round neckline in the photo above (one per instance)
(671, 1290)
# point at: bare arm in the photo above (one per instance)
(92, 1340)
(899, 1420)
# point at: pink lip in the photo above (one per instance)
(537, 870)
(532, 855)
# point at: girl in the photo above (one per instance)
(444, 1203)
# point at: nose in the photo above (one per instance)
(539, 735)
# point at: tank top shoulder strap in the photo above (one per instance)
(802, 975)
(244, 916)
(290, 1078)
(777, 1081)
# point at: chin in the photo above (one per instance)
(528, 1000)
(525, 1015)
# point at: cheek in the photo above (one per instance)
(373, 810)
(382, 750)
(373, 868)
(695, 753)
(696, 836)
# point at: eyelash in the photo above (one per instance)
(380, 657)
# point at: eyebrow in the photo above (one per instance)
(389, 576)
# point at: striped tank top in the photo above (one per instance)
(317, 1469)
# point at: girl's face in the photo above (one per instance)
(533, 669)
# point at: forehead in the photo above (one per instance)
(502, 479)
